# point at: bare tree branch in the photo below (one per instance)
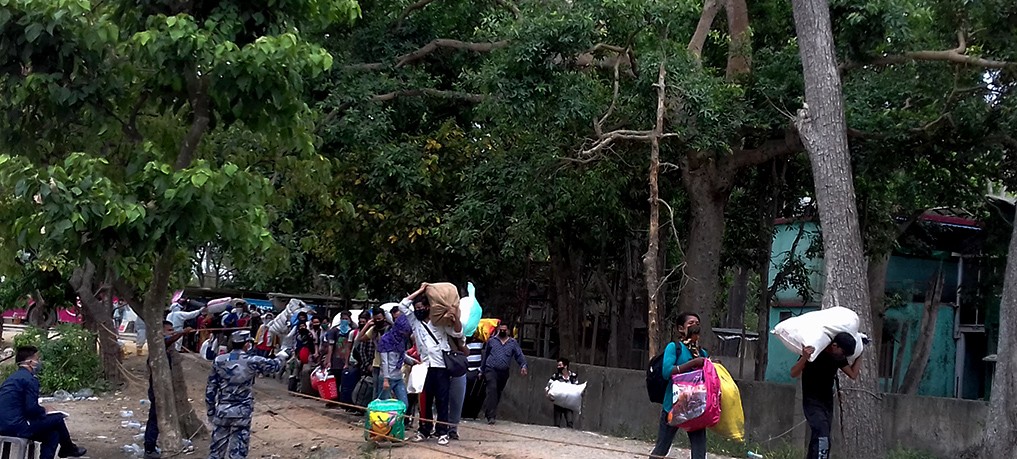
(468, 97)
(956, 55)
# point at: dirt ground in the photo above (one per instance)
(288, 427)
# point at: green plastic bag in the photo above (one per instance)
(384, 421)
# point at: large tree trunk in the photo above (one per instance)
(927, 331)
(823, 130)
(100, 316)
(708, 195)
(1001, 424)
(566, 270)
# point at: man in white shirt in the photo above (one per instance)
(178, 316)
(432, 343)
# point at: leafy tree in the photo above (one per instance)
(153, 79)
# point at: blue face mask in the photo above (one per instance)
(344, 326)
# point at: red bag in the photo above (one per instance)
(325, 384)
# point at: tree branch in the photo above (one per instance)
(739, 52)
(698, 40)
(197, 88)
(389, 96)
(409, 9)
(774, 148)
(956, 55)
(507, 4)
(440, 43)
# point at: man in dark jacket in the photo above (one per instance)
(22, 416)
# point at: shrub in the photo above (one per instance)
(70, 360)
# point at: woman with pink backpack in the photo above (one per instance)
(682, 356)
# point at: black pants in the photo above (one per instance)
(152, 426)
(665, 437)
(819, 415)
(496, 381)
(436, 400)
(562, 413)
(51, 432)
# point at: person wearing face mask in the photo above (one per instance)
(563, 374)
(21, 416)
(333, 358)
(371, 333)
(682, 356)
(432, 342)
(496, 362)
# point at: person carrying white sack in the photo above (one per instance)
(562, 375)
(818, 378)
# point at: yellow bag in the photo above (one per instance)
(732, 418)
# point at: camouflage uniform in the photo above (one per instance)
(230, 401)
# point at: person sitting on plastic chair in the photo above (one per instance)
(22, 416)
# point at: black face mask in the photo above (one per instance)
(693, 330)
(421, 314)
(502, 334)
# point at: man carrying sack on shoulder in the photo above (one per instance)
(433, 343)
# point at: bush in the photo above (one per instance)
(70, 361)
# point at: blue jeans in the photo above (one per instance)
(376, 377)
(396, 390)
(456, 397)
(665, 436)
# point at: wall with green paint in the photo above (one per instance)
(938, 380)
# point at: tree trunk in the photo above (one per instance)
(736, 298)
(1001, 424)
(651, 260)
(99, 317)
(708, 196)
(927, 331)
(876, 277)
(740, 47)
(566, 269)
(823, 130)
(902, 337)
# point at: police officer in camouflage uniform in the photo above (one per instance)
(229, 398)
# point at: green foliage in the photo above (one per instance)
(70, 361)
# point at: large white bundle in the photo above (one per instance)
(817, 329)
(280, 324)
(565, 395)
(218, 305)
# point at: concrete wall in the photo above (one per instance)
(616, 403)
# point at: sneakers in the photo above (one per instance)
(453, 435)
(443, 440)
(419, 437)
(490, 421)
(152, 455)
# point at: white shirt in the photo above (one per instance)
(178, 318)
(431, 348)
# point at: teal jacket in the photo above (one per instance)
(672, 357)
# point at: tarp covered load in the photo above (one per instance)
(444, 299)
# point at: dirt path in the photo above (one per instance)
(287, 427)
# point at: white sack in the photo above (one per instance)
(817, 329)
(218, 305)
(565, 395)
(415, 383)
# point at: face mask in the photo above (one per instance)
(36, 368)
(421, 314)
(561, 368)
(692, 331)
(502, 334)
